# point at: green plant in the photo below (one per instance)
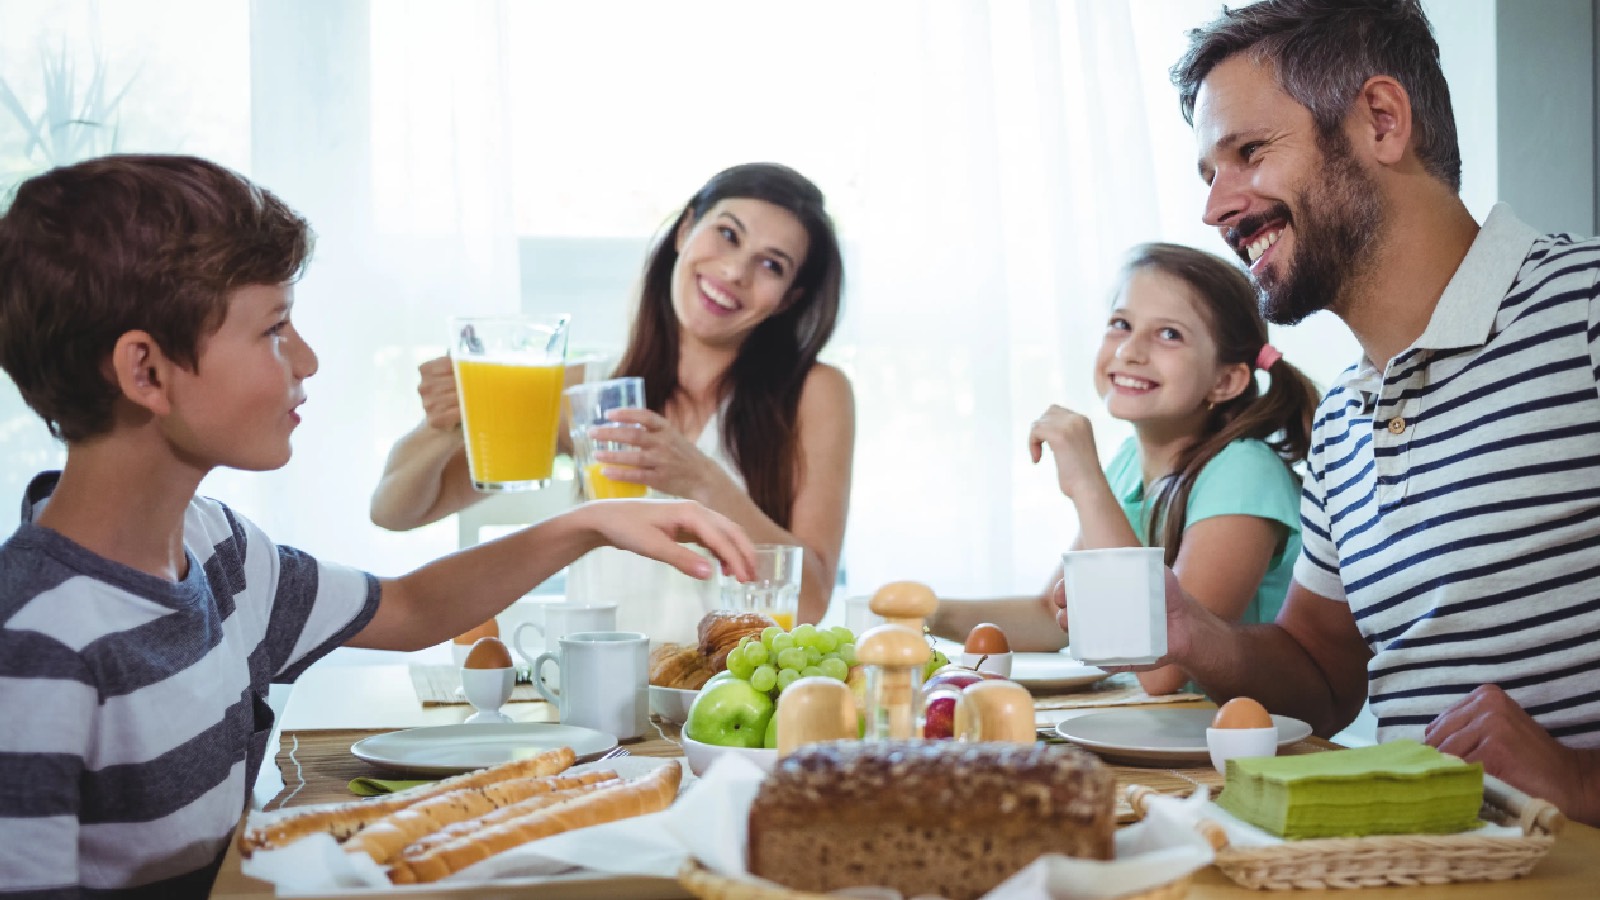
(77, 120)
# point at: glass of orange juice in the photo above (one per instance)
(776, 587)
(587, 407)
(509, 371)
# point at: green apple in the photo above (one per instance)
(771, 741)
(936, 661)
(730, 713)
(724, 675)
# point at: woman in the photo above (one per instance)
(737, 300)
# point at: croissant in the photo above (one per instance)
(721, 629)
(650, 793)
(347, 819)
(678, 666)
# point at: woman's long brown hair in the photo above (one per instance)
(770, 368)
(1280, 418)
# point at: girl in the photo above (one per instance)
(737, 300)
(1207, 474)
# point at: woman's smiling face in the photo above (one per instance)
(736, 268)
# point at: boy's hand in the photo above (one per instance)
(1070, 437)
(437, 389)
(655, 528)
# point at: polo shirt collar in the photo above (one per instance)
(1465, 313)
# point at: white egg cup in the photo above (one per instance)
(488, 690)
(994, 663)
(1238, 743)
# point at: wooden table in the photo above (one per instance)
(332, 708)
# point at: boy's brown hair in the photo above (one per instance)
(91, 251)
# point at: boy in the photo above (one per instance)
(144, 314)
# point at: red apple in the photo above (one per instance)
(955, 676)
(939, 713)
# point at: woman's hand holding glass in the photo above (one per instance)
(437, 388)
(662, 458)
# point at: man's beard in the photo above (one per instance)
(1339, 221)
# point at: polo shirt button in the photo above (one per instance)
(1397, 425)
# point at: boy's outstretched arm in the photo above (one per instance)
(455, 593)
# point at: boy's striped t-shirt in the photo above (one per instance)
(134, 708)
(1453, 500)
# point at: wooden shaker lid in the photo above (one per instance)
(905, 603)
(891, 645)
(813, 709)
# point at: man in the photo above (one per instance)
(1451, 562)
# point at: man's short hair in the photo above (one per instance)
(91, 251)
(1323, 51)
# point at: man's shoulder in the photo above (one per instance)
(1558, 263)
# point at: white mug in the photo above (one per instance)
(560, 620)
(1116, 605)
(605, 679)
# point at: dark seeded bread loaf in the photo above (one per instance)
(927, 817)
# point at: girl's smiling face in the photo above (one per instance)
(1158, 360)
(736, 268)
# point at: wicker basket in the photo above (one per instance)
(1394, 859)
(702, 882)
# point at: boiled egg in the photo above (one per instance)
(987, 638)
(490, 628)
(488, 653)
(1242, 712)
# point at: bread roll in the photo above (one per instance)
(650, 793)
(721, 629)
(425, 844)
(346, 819)
(679, 666)
(926, 817)
(385, 838)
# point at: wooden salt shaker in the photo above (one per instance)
(813, 709)
(894, 656)
(907, 603)
(995, 711)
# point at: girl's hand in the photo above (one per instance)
(657, 528)
(1070, 438)
(662, 457)
(437, 389)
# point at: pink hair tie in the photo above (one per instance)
(1268, 357)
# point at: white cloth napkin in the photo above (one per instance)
(708, 822)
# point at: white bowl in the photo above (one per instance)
(700, 756)
(1236, 743)
(672, 704)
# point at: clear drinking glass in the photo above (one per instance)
(587, 406)
(776, 588)
(509, 372)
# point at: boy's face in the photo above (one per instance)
(237, 408)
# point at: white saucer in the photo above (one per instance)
(451, 749)
(1045, 671)
(1157, 737)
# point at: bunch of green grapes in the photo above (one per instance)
(775, 660)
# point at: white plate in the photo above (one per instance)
(1157, 737)
(1045, 671)
(451, 749)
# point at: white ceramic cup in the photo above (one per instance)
(488, 690)
(605, 681)
(560, 620)
(1116, 605)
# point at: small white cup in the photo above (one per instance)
(488, 690)
(560, 620)
(1116, 605)
(605, 681)
(1236, 743)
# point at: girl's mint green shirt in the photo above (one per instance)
(1245, 479)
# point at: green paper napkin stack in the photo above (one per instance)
(1401, 787)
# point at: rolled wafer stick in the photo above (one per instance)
(347, 819)
(650, 793)
(384, 839)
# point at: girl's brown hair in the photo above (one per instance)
(1279, 418)
(766, 376)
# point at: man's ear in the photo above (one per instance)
(1231, 382)
(1383, 118)
(142, 372)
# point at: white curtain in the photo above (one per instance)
(987, 163)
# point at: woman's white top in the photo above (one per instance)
(653, 597)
